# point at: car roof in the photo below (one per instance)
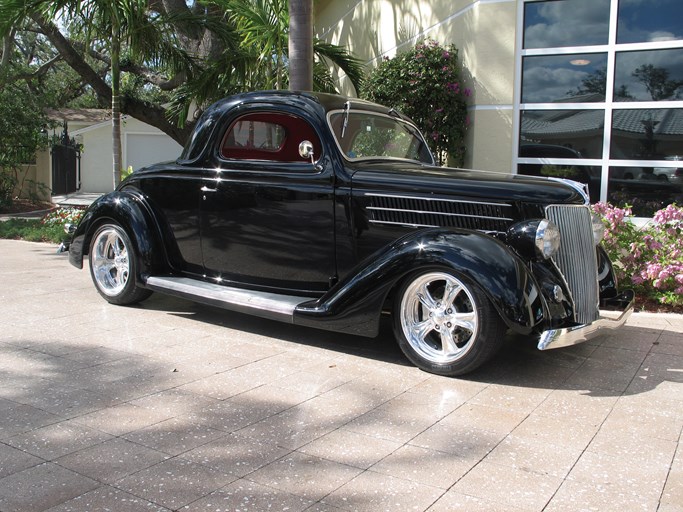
(316, 104)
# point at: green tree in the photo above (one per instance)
(163, 44)
(424, 83)
(155, 53)
(21, 120)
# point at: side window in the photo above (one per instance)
(269, 136)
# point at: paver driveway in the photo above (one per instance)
(173, 405)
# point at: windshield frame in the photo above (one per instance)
(395, 118)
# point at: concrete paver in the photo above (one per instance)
(172, 405)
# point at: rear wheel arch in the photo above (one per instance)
(132, 215)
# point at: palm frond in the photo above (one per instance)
(339, 56)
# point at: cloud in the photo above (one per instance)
(553, 24)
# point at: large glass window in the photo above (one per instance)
(603, 104)
(647, 134)
(566, 23)
(645, 22)
(573, 77)
(645, 189)
(577, 131)
(649, 75)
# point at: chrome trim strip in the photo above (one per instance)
(262, 304)
(371, 194)
(410, 224)
(427, 212)
(608, 321)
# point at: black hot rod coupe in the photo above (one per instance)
(325, 211)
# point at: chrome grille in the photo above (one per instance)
(433, 212)
(577, 259)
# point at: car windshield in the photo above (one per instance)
(363, 135)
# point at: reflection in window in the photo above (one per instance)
(649, 21)
(577, 77)
(579, 130)
(590, 175)
(645, 189)
(647, 134)
(652, 75)
(566, 23)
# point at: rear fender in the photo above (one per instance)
(131, 212)
(354, 305)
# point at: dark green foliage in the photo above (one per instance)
(424, 83)
(21, 121)
(32, 230)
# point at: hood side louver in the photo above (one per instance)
(427, 212)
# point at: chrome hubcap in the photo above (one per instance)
(110, 262)
(439, 317)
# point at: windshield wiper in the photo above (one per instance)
(347, 107)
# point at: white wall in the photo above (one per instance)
(142, 145)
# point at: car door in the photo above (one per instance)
(267, 217)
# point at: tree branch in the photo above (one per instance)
(145, 112)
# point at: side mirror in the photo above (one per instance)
(306, 150)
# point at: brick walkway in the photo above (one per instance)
(173, 405)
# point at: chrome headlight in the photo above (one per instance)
(598, 228)
(538, 238)
(547, 240)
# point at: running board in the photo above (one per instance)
(262, 304)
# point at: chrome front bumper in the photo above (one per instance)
(615, 314)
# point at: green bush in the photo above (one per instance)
(424, 83)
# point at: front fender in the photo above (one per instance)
(354, 305)
(128, 209)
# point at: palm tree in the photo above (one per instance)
(301, 45)
(265, 28)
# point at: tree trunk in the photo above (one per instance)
(116, 101)
(300, 45)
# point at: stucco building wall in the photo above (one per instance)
(484, 33)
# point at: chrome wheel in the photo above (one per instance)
(438, 317)
(109, 261)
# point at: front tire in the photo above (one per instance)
(445, 324)
(113, 266)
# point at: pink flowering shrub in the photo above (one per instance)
(424, 83)
(649, 259)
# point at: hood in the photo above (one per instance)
(405, 178)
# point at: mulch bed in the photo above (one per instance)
(26, 206)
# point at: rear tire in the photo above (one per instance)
(113, 266)
(445, 324)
